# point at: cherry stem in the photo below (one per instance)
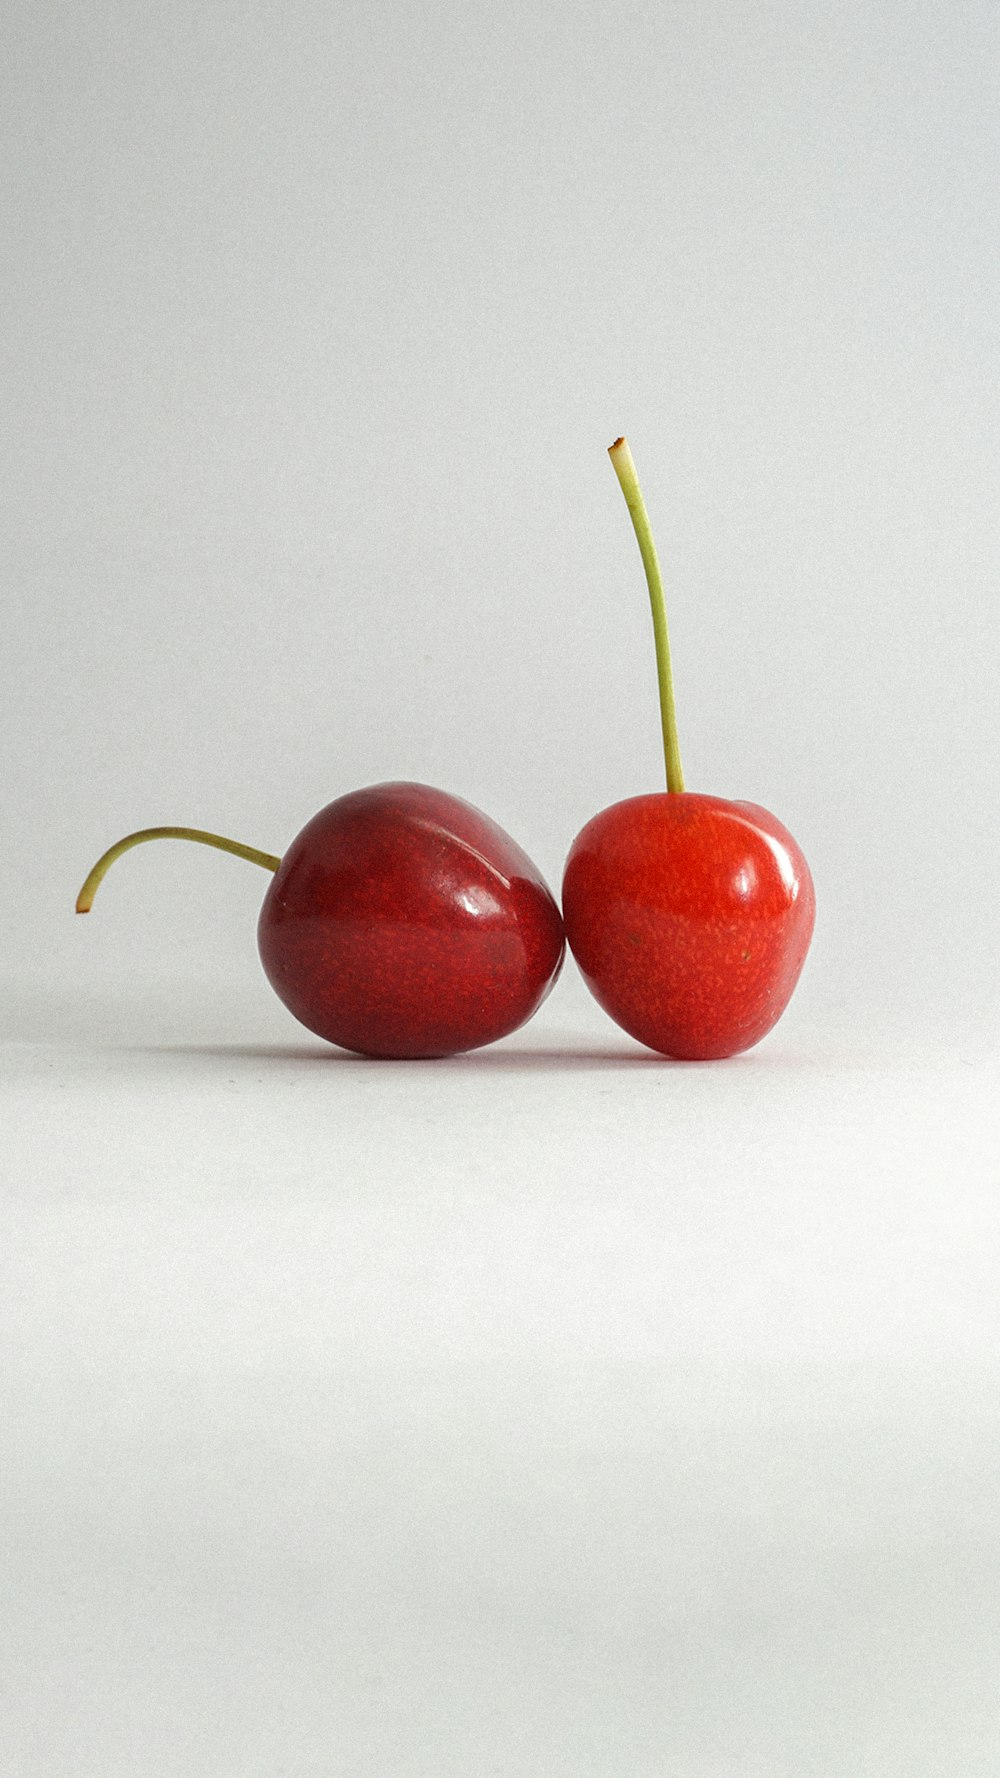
(624, 468)
(85, 899)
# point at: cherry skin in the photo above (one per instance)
(690, 917)
(403, 922)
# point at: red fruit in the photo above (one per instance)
(400, 922)
(404, 922)
(690, 918)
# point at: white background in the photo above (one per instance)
(554, 1410)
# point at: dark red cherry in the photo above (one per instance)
(400, 922)
(404, 922)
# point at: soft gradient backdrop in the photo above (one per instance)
(556, 1413)
(318, 321)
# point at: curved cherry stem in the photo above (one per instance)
(85, 899)
(624, 468)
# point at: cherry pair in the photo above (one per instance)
(403, 922)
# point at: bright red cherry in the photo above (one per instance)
(401, 922)
(689, 916)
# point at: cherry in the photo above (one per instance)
(401, 922)
(690, 916)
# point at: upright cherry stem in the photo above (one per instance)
(85, 899)
(624, 468)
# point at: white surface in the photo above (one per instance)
(552, 1412)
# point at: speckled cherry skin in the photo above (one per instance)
(404, 922)
(690, 918)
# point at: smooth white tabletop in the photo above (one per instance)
(550, 1410)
